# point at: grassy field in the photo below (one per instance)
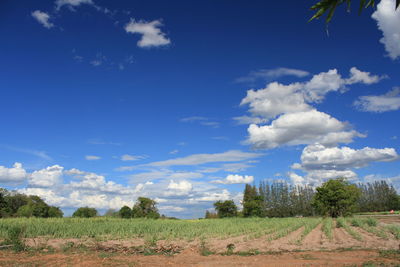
(106, 228)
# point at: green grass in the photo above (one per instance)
(342, 222)
(327, 225)
(150, 230)
(369, 225)
(395, 230)
(308, 227)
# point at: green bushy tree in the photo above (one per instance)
(125, 212)
(336, 197)
(85, 212)
(145, 208)
(226, 208)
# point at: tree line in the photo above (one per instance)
(13, 204)
(336, 197)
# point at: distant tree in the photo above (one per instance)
(145, 208)
(336, 197)
(111, 213)
(125, 212)
(55, 212)
(330, 6)
(25, 211)
(378, 196)
(210, 215)
(253, 202)
(226, 208)
(85, 212)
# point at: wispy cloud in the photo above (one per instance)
(92, 157)
(201, 120)
(267, 74)
(37, 153)
(379, 103)
(43, 18)
(198, 159)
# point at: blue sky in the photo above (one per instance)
(184, 102)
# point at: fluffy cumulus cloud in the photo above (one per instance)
(294, 120)
(73, 188)
(43, 18)
(298, 128)
(379, 103)
(322, 163)
(14, 175)
(317, 156)
(236, 179)
(266, 74)
(72, 3)
(47, 177)
(152, 36)
(179, 188)
(388, 20)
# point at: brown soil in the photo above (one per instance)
(314, 250)
(313, 258)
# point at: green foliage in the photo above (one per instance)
(13, 237)
(253, 202)
(225, 208)
(327, 225)
(104, 227)
(125, 212)
(55, 212)
(13, 204)
(85, 212)
(145, 208)
(378, 196)
(336, 197)
(329, 6)
(283, 200)
(25, 211)
(211, 215)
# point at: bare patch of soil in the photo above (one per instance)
(193, 259)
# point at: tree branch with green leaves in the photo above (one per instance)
(329, 7)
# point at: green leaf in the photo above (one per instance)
(362, 5)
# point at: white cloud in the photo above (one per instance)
(127, 157)
(92, 157)
(249, 120)
(198, 159)
(271, 74)
(388, 20)
(298, 128)
(14, 175)
(276, 98)
(236, 179)
(201, 120)
(379, 103)
(295, 178)
(211, 197)
(179, 188)
(316, 157)
(72, 3)
(357, 76)
(173, 152)
(171, 208)
(43, 18)
(47, 177)
(322, 163)
(152, 36)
